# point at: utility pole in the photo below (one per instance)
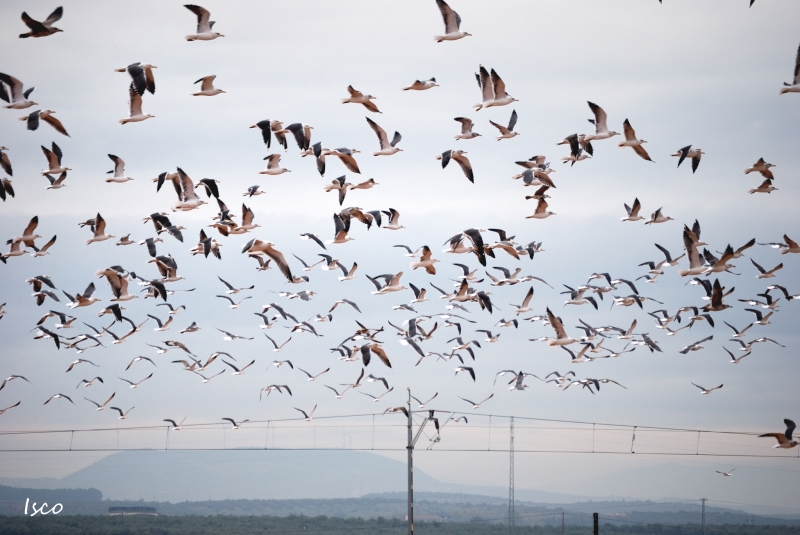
(562, 522)
(703, 521)
(411, 443)
(410, 471)
(596, 519)
(511, 480)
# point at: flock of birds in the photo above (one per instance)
(419, 333)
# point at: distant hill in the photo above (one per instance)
(176, 476)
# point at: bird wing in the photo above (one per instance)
(203, 15)
(600, 118)
(53, 17)
(451, 19)
(380, 132)
(498, 85)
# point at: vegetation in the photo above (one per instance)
(322, 525)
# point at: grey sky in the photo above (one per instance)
(683, 72)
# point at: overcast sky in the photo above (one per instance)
(706, 74)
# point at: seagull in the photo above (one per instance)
(135, 385)
(764, 274)
(231, 337)
(204, 25)
(784, 439)
(658, 217)
(761, 167)
(6, 189)
(477, 405)
(387, 148)
(119, 170)
(273, 166)
(793, 87)
(466, 129)
(541, 211)
(507, 132)
(705, 391)
(463, 162)
(378, 398)
(689, 152)
(54, 160)
(175, 426)
(633, 142)
(5, 163)
(561, 336)
(235, 425)
(765, 187)
(348, 274)
(81, 361)
(493, 90)
(734, 360)
(422, 85)
(122, 415)
(135, 115)
(46, 116)
(237, 371)
(695, 346)
(729, 473)
(141, 76)
(279, 347)
(599, 121)
(525, 306)
(344, 302)
(268, 248)
(233, 305)
(452, 24)
(307, 416)
(136, 359)
(11, 378)
(3, 411)
(44, 28)
(466, 369)
(207, 88)
(426, 261)
(55, 396)
(357, 97)
(19, 99)
(423, 404)
(103, 406)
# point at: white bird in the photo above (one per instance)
(705, 391)
(99, 230)
(658, 217)
(423, 404)
(692, 154)
(175, 426)
(357, 97)
(279, 347)
(600, 123)
(793, 87)
(784, 439)
(56, 396)
(19, 97)
(633, 211)
(235, 425)
(463, 162)
(141, 76)
(541, 211)
(135, 385)
(387, 148)
(233, 305)
(103, 406)
(561, 335)
(237, 371)
(207, 88)
(32, 120)
(393, 285)
(204, 25)
(466, 129)
(729, 473)
(765, 187)
(119, 171)
(135, 115)
(477, 405)
(273, 166)
(422, 85)
(122, 415)
(3, 411)
(54, 160)
(507, 132)
(761, 167)
(452, 24)
(633, 142)
(493, 90)
(308, 416)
